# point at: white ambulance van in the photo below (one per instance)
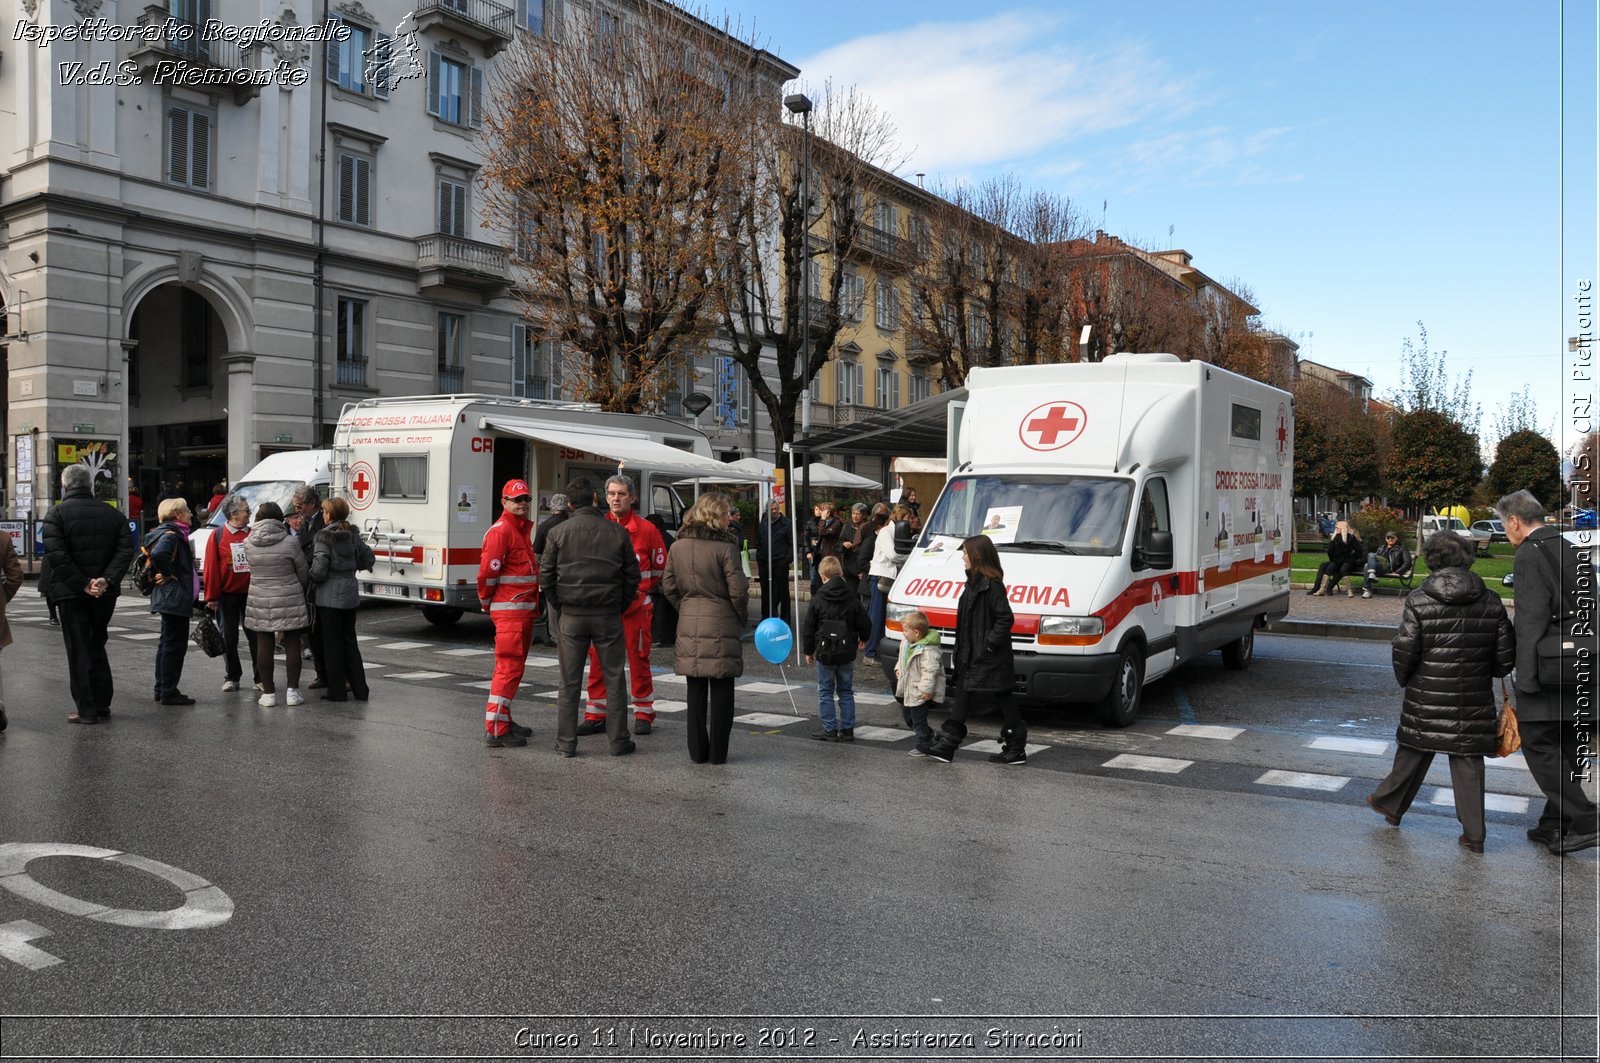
(1141, 509)
(422, 475)
(273, 479)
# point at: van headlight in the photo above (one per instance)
(1070, 630)
(897, 613)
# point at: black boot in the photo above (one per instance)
(947, 741)
(1013, 747)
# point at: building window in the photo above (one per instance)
(453, 208)
(189, 148)
(527, 236)
(355, 189)
(888, 218)
(536, 16)
(608, 32)
(921, 234)
(921, 386)
(888, 388)
(194, 316)
(853, 295)
(888, 306)
(535, 365)
(351, 342)
(455, 91)
(361, 62)
(850, 385)
(193, 15)
(450, 338)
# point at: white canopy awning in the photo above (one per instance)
(629, 451)
(920, 466)
(758, 470)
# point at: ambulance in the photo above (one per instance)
(1141, 507)
(422, 475)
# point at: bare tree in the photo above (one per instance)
(612, 161)
(776, 246)
(1129, 303)
(1519, 413)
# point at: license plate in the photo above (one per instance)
(387, 590)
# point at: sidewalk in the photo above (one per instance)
(1336, 616)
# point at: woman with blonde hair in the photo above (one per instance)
(706, 583)
(1345, 556)
(339, 554)
(173, 598)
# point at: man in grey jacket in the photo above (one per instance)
(1555, 721)
(589, 572)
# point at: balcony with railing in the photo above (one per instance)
(451, 379)
(173, 53)
(445, 261)
(351, 372)
(883, 248)
(490, 24)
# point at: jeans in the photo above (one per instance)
(876, 608)
(836, 679)
(916, 718)
(170, 652)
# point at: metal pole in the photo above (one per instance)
(805, 318)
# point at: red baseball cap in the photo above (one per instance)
(515, 489)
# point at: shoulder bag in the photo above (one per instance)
(1509, 739)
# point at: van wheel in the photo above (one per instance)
(441, 615)
(1120, 706)
(1238, 654)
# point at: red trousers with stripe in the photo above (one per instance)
(637, 633)
(513, 634)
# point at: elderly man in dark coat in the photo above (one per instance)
(1550, 718)
(1454, 640)
(88, 548)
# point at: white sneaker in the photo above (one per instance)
(267, 701)
(293, 698)
(229, 686)
(1366, 594)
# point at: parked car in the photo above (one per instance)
(1495, 529)
(1478, 538)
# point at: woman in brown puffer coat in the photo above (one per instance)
(276, 602)
(706, 583)
(1454, 639)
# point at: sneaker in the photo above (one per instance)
(293, 698)
(1349, 592)
(503, 741)
(847, 734)
(267, 700)
(1366, 593)
(641, 727)
(592, 727)
(260, 688)
(1009, 757)
(919, 750)
(230, 685)
(823, 734)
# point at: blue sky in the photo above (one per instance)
(1359, 167)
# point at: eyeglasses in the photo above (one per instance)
(521, 498)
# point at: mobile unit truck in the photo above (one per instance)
(423, 475)
(1141, 508)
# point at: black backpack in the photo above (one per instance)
(144, 566)
(836, 643)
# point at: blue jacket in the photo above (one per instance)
(173, 557)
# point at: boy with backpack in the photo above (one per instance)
(919, 678)
(835, 627)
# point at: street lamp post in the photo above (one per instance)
(800, 104)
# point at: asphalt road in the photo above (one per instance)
(370, 881)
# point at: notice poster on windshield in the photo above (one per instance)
(1224, 534)
(1001, 522)
(943, 550)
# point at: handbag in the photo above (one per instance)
(1567, 655)
(1509, 739)
(206, 636)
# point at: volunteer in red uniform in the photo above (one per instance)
(508, 590)
(637, 619)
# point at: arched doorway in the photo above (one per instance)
(177, 395)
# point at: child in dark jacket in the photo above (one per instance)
(835, 628)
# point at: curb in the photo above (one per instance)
(1332, 629)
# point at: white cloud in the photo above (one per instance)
(977, 94)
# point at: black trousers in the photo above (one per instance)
(83, 629)
(230, 621)
(775, 592)
(710, 719)
(170, 652)
(342, 654)
(1396, 792)
(963, 702)
(1550, 748)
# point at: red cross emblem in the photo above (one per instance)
(361, 485)
(1052, 426)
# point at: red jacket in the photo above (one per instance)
(651, 551)
(508, 571)
(220, 576)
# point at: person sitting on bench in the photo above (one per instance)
(1393, 560)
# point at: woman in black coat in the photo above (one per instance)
(985, 673)
(1345, 557)
(1454, 639)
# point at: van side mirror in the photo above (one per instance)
(1157, 553)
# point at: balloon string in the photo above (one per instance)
(789, 690)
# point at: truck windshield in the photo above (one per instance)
(279, 491)
(1080, 514)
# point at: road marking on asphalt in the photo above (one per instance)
(1369, 746)
(872, 699)
(405, 645)
(465, 653)
(117, 630)
(542, 662)
(1206, 730)
(989, 745)
(669, 677)
(366, 638)
(418, 675)
(1314, 660)
(768, 719)
(1135, 762)
(672, 706)
(14, 938)
(1445, 797)
(146, 635)
(480, 684)
(881, 734)
(1302, 780)
(763, 688)
(204, 905)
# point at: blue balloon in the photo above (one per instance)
(774, 640)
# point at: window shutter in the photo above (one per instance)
(475, 117)
(434, 65)
(363, 183)
(383, 69)
(519, 361)
(200, 150)
(444, 207)
(458, 215)
(347, 188)
(178, 145)
(332, 54)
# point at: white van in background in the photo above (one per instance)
(273, 479)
